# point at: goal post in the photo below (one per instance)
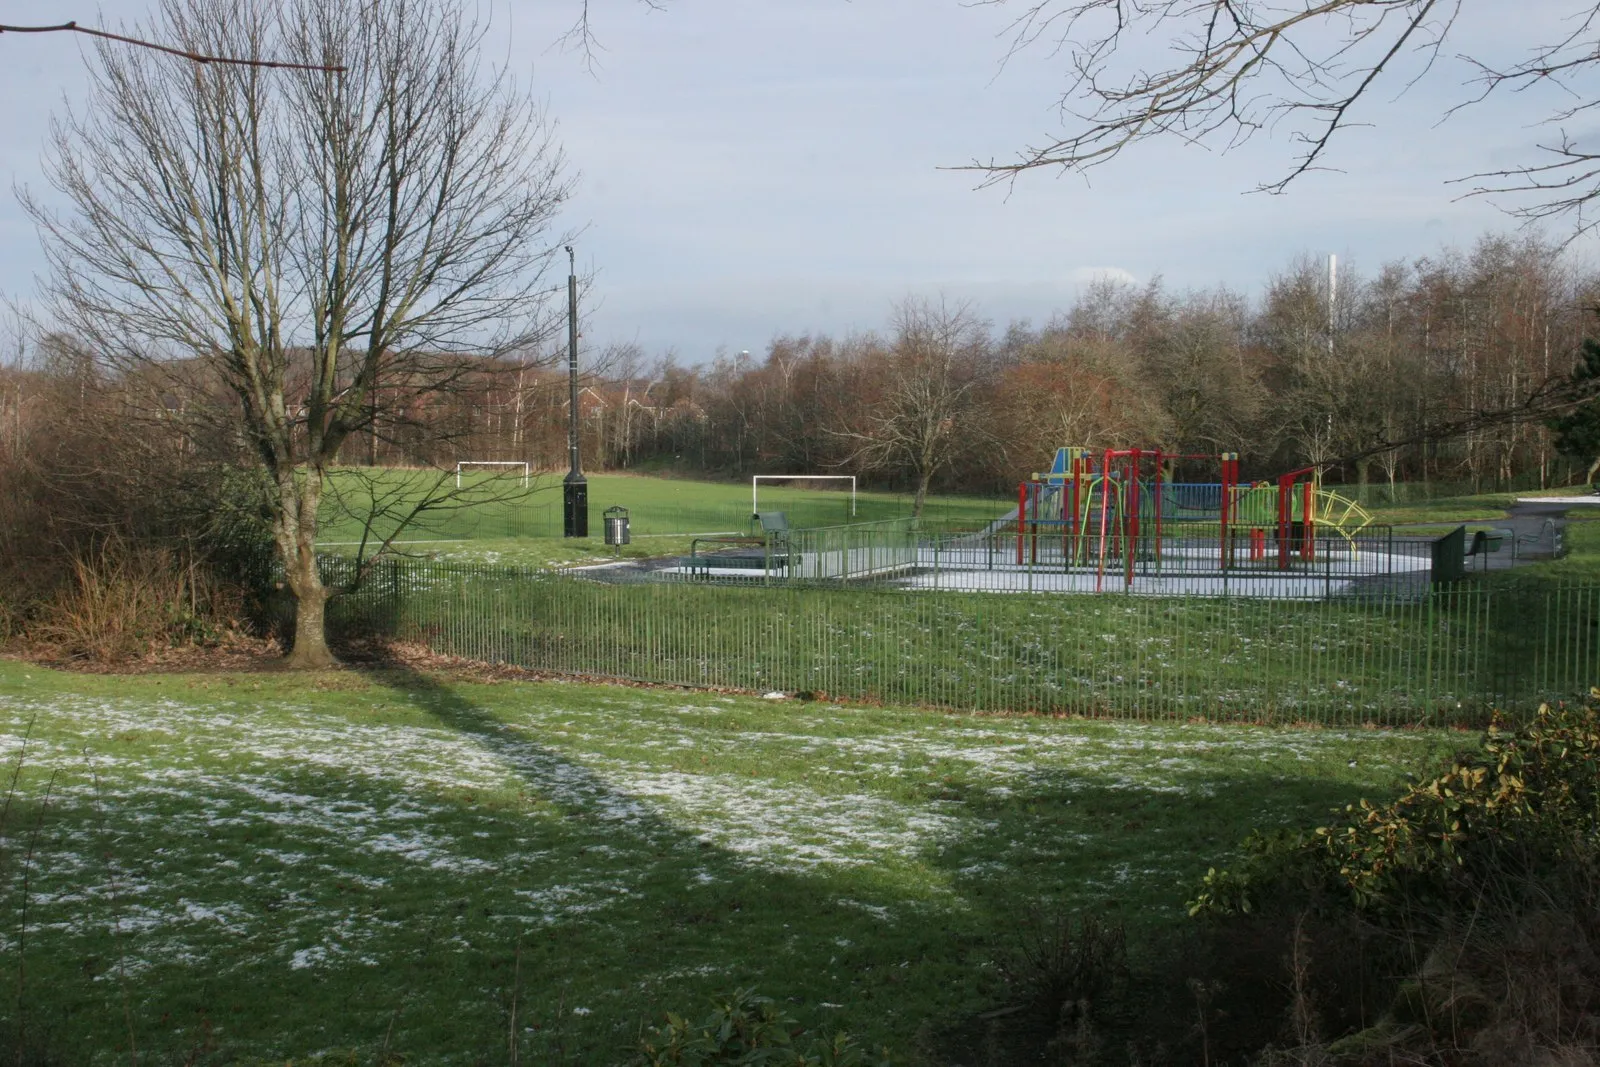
(756, 480)
(468, 464)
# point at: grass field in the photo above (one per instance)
(1483, 509)
(346, 867)
(497, 522)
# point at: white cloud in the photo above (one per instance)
(1090, 275)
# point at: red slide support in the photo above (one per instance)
(1022, 516)
(1286, 487)
(1308, 522)
(1230, 480)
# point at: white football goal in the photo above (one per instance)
(500, 466)
(755, 486)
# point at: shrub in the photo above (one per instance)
(1484, 880)
(747, 1029)
(103, 492)
(123, 600)
(1067, 976)
(1519, 817)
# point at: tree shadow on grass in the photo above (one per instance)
(1129, 853)
(594, 908)
(685, 918)
(335, 908)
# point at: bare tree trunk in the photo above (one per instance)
(310, 648)
(295, 530)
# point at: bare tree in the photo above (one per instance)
(1322, 385)
(1078, 381)
(924, 391)
(309, 237)
(1231, 69)
(1210, 383)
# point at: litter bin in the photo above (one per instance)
(616, 520)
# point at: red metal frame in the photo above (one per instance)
(1022, 516)
(1105, 519)
(1038, 493)
(1286, 487)
(1120, 472)
(1228, 507)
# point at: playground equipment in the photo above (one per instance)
(1121, 510)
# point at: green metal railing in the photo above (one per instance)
(1447, 656)
(856, 552)
(1187, 560)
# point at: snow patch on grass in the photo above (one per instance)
(338, 809)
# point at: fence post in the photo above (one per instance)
(1427, 638)
(1327, 572)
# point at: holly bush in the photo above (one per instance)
(1523, 810)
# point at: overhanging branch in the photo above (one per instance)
(182, 53)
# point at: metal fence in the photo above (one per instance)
(1188, 559)
(1447, 655)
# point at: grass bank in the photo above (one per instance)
(1384, 658)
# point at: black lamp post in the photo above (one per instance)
(575, 488)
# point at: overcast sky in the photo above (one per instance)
(750, 168)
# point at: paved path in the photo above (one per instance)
(1537, 526)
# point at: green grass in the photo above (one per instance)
(273, 867)
(495, 509)
(1448, 512)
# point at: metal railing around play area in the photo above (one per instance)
(1188, 559)
(1446, 655)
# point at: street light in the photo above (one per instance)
(575, 488)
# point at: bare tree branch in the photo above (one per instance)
(582, 38)
(184, 53)
(1237, 68)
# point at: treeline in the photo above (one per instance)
(1449, 359)
(1438, 370)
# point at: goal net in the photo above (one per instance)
(492, 467)
(821, 493)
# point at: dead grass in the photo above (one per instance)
(119, 603)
